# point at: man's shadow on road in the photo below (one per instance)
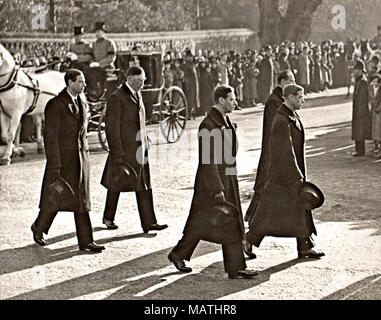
(18, 259)
(211, 283)
(111, 278)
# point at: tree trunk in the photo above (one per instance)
(294, 26)
(52, 16)
(269, 19)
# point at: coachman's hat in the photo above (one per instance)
(311, 195)
(79, 30)
(100, 26)
(126, 177)
(61, 192)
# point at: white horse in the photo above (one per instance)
(22, 94)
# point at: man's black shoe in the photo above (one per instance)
(38, 236)
(178, 263)
(91, 247)
(156, 227)
(248, 249)
(310, 254)
(110, 224)
(243, 274)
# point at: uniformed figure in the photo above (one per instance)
(104, 55)
(80, 52)
(67, 163)
(216, 183)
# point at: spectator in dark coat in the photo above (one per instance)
(216, 182)
(265, 78)
(206, 87)
(67, 158)
(281, 213)
(191, 88)
(361, 120)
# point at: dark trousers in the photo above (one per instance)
(360, 147)
(82, 225)
(234, 259)
(144, 200)
(302, 244)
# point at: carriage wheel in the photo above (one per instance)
(102, 129)
(173, 114)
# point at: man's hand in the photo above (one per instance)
(94, 64)
(219, 197)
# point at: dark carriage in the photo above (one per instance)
(164, 106)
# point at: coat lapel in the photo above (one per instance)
(68, 104)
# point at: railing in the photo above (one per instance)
(223, 39)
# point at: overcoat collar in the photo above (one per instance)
(278, 91)
(291, 115)
(128, 92)
(217, 118)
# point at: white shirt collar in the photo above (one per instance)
(72, 97)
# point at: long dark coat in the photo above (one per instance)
(218, 175)
(122, 127)
(361, 118)
(280, 212)
(66, 149)
(206, 90)
(265, 78)
(190, 85)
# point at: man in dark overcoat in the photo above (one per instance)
(191, 86)
(281, 211)
(67, 155)
(265, 78)
(361, 117)
(128, 143)
(272, 105)
(216, 182)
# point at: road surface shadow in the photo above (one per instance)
(211, 283)
(18, 259)
(111, 278)
(368, 288)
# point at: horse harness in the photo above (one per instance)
(35, 88)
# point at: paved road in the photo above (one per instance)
(135, 265)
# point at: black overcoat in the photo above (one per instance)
(66, 149)
(265, 78)
(217, 175)
(280, 211)
(361, 116)
(122, 132)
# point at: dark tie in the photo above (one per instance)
(76, 105)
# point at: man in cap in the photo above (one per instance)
(216, 183)
(281, 212)
(104, 55)
(80, 52)
(361, 119)
(67, 163)
(128, 143)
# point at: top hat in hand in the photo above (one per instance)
(61, 192)
(126, 177)
(223, 213)
(312, 196)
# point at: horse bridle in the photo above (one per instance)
(12, 81)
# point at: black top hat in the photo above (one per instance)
(60, 192)
(79, 30)
(312, 196)
(222, 214)
(126, 177)
(360, 65)
(100, 26)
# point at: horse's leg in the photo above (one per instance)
(10, 126)
(37, 119)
